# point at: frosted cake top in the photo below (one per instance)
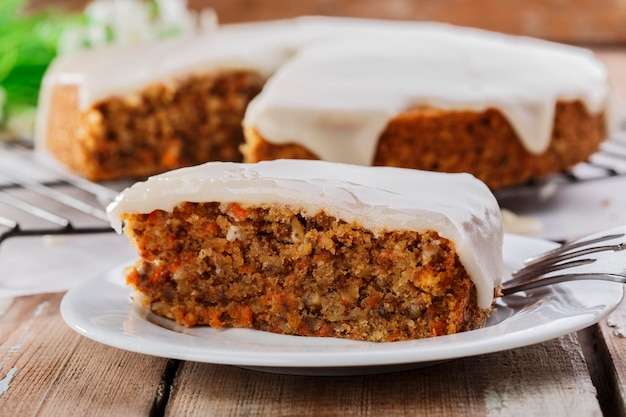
(336, 96)
(457, 206)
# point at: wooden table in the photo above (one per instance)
(47, 369)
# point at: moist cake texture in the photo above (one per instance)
(315, 248)
(409, 94)
(184, 122)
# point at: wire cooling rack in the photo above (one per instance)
(37, 198)
(609, 161)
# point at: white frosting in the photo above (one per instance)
(340, 80)
(337, 95)
(458, 206)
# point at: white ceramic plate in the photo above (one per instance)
(100, 309)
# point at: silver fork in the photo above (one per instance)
(538, 271)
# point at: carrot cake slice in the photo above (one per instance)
(314, 248)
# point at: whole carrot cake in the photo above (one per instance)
(314, 248)
(369, 92)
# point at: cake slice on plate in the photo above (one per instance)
(315, 248)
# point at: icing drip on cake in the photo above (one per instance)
(458, 206)
(335, 97)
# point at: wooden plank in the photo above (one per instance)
(609, 347)
(545, 379)
(47, 369)
(14, 312)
